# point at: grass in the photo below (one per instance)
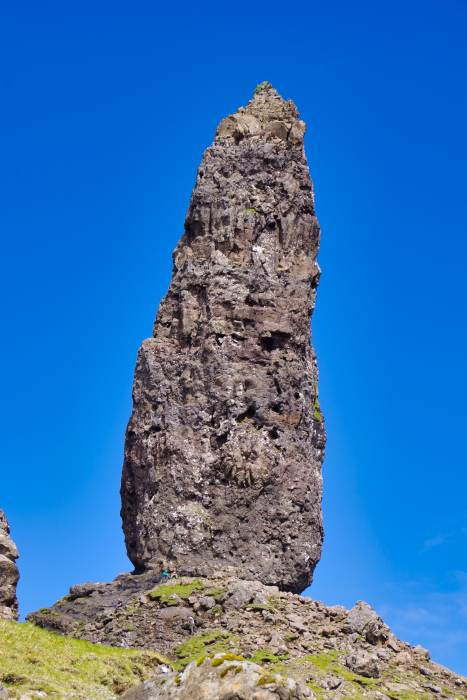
(216, 593)
(290, 636)
(259, 607)
(408, 695)
(319, 693)
(321, 661)
(216, 610)
(354, 677)
(34, 659)
(208, 643)
(166, 591)
(317, 411)
(266, 656)
(319, 666)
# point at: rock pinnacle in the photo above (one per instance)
(224, 447)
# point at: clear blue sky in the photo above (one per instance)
(106, 109)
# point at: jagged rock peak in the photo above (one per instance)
(267, 115)
(9, 574)
(223, 451)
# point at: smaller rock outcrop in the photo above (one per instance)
(222, 677)
(364, 621)
(9, 574)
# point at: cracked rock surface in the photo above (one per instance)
(9, 574)
(225, 444)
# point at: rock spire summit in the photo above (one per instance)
(224, 448)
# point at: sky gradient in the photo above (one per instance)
(106, 112)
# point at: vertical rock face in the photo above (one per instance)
(9, 575)
(224, 448)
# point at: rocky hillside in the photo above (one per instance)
(35, 663)
(329, 650)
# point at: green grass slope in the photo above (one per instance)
(33, 659)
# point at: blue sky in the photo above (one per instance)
(106, 110)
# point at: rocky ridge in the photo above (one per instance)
(224, 448)
(333, 652)
(9, 574)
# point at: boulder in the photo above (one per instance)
(363, 664)
(222, 677)
(362, 619)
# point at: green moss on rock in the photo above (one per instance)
(317, 415)
(201, 645)
(265, 679)
(318, 692)
(168, 593)
(219, 660)
(259, 607)
(266, 656)
(408, 695)
(215, 593)
(323, 662)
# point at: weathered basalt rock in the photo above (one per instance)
(9, 574)
(224, 448)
